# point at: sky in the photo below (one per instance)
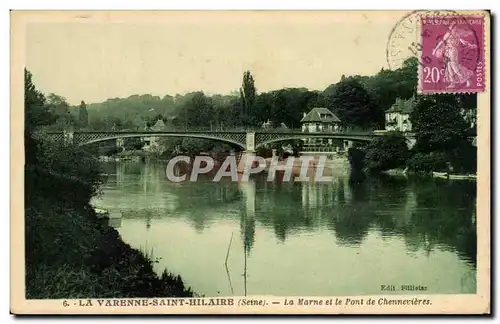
(95, 56)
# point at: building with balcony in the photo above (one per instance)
(320, 120)
(397, 118)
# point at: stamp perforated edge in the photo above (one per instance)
(486, 50)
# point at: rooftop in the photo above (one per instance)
(323, 115)
(159, 126)
(402, 106)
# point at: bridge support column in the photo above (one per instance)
(250, 142)
(248, 153)
(245, 156)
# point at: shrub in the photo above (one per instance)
(428, 162)
(387, 152)
(65, 169)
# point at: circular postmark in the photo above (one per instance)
(407, 40)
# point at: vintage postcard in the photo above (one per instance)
(250, 162)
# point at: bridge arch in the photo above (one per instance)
(234, 142)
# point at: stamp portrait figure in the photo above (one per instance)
(448, 49)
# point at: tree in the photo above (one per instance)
(441, 130)
(83, 116)
(58, 106)
(387, 152)
(248, 94)
(387, 85)
(197, 111)
(352, 104)
(438, 123)
(36, 114)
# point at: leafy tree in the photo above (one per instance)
(387, 152)
(36, 114)
(83, 116)
(132, 143)
(198, 111)
(441, 128)
(438, 123)
(353, 104)
(248, 93)
(133, 110)
(428, 162)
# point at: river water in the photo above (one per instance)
(345, 237)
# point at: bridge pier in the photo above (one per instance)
(249, 153)
(245, 156)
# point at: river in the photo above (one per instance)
(344, 237)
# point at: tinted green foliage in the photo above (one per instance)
(360, 101)
(438, 123)
(69, 252)
(387, 152)
(441, 129)
(352, 103)
(428, 162)
(83, 116)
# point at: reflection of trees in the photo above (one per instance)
(201, 203)
(247, 213)
(247, 227)
(282, 209)
(351, 220)
(428, 214)
(444, 217)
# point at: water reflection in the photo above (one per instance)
(427, 217)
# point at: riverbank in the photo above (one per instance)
(437, 175)
(71, 253)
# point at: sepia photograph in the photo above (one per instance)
(244, 162)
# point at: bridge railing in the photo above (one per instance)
(222, 130)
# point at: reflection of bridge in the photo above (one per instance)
(248, 140)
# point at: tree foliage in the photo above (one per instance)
(37, 113)
(83, 116)
(387, 152)
(352, 104)
(442, 131)
(248, 93)
(438, 123)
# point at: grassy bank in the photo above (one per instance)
(70, 253)
(78, 256)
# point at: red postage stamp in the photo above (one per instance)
(452, 56)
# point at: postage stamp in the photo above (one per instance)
(235, 162)
(452, 54)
